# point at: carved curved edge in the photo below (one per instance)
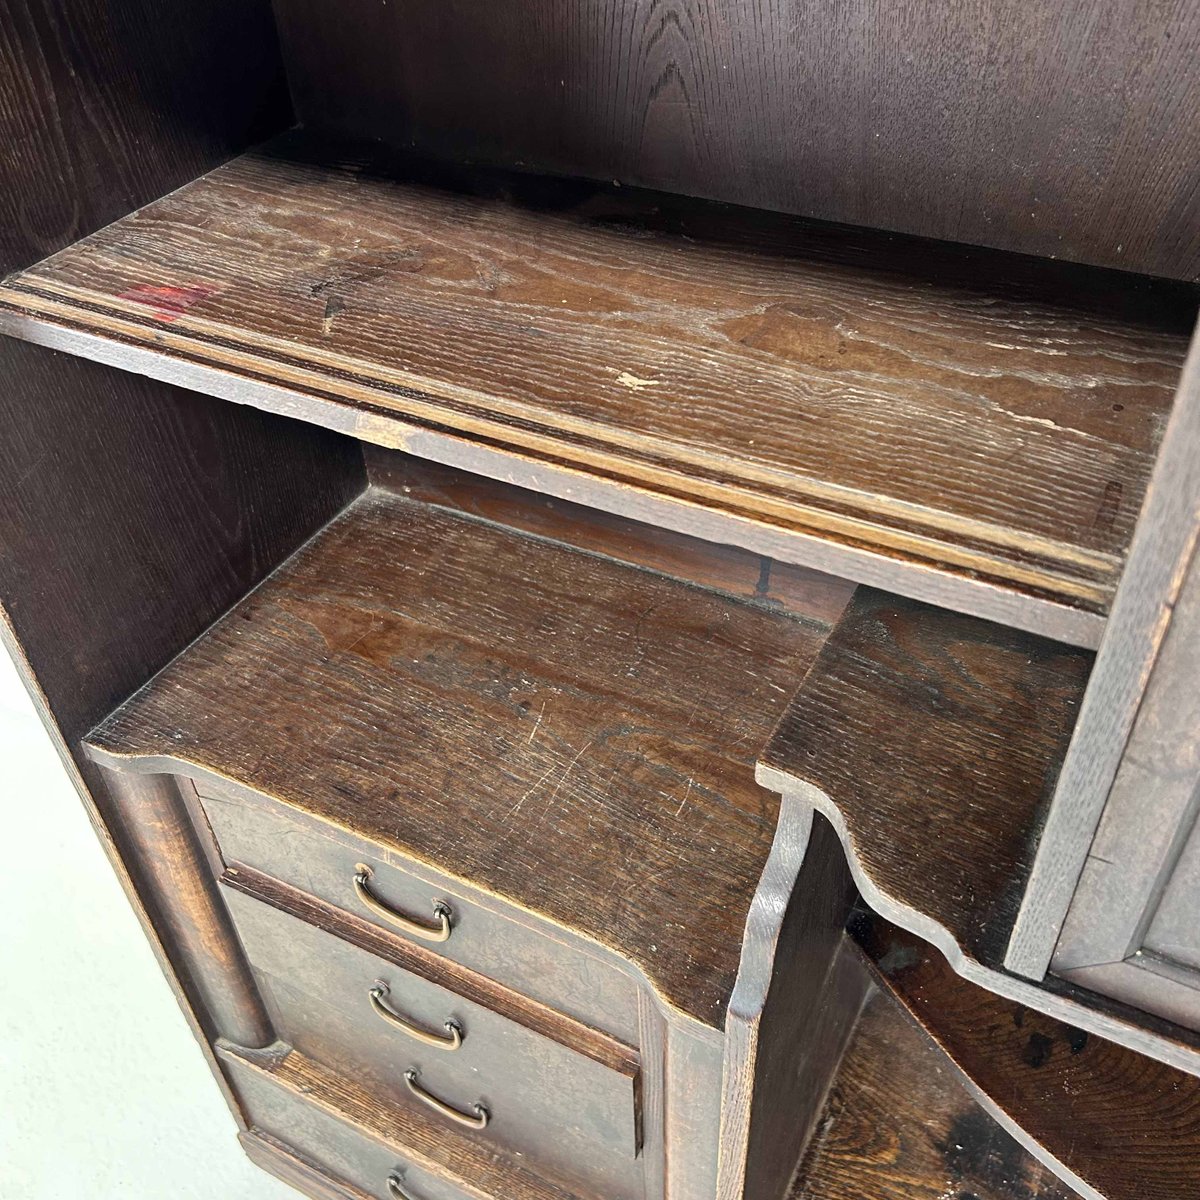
(1058, 1004)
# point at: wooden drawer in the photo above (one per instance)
(340, 1150)
(322, 860)
(557, 1105)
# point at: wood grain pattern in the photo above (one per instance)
(1158, 562)
(938, 739)
(548, 1105)
(333, 1121)
(104, 107)
(931, 741)
(1119, 1123)
(809, 594)
(734, 363)
(1062, 129)
(571, 734)
(439, 970)
(898, 1126)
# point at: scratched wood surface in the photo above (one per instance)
(1062, 128)
(570, 733)
(935, 740)
(1122, 1123)
(929, 412)
(898, 1126)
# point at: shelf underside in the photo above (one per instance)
(961, 426)
(573, 735)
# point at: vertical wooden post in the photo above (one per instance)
(195, 926)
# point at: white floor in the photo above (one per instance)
(103, 1091)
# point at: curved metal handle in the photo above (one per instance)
(396, 1187)
(454, 1030)
(429, 933)
(478, 1121)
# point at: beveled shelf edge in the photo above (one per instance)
(959, 591)
(1061, 1006)
(165, 764)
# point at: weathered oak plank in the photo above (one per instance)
(862, 400)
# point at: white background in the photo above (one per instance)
(104, 1093)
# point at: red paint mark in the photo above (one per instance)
(168, 303)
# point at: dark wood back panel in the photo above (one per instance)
(105, 106)
(1053, 127)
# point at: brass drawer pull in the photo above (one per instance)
(430, 933)
(396, 1187)
(453, 1029)
(478, 1121)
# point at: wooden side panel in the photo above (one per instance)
(1163, 547)
(104, 106)
(1064, 129)
(131, 514)
(792, 1011)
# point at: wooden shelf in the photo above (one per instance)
(574, 735)
(932, 743)
(1064, 1093)
(898, 1126)
(968, 428)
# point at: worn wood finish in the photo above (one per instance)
(808, 594)
(1111, 1122)
(1163, 548)
(104, 107)
(662, 357)
(354, 1138)
(546, 721)
(931, 742)
(1131, 931)
(792, 1011)
(1059, 129)
(286, 856)
(442, 971)
(935, 740)
(556, 1107)
(174, 880)
(899, 1126)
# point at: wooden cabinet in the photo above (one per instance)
(601, 693)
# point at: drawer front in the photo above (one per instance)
(309, 855)
(416, 1043)
(338, 1150)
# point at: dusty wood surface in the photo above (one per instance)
(899, 1126)
(1123, 1124)
(575, 735)
(935, 741)
(1062, 129)
(741, 364)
